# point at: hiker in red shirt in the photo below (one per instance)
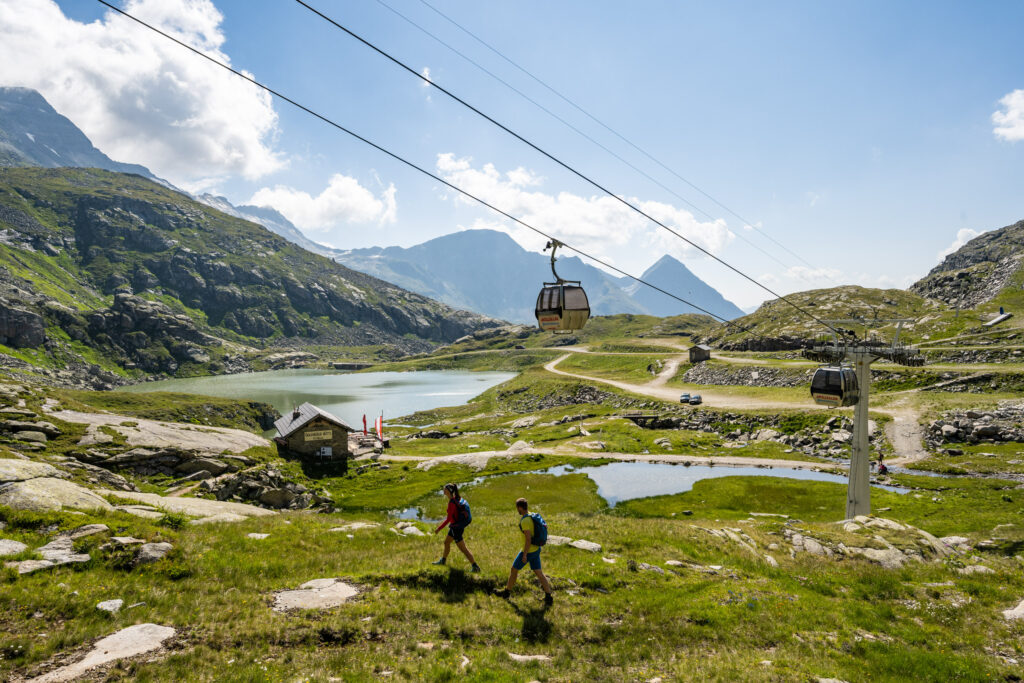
(458, 518)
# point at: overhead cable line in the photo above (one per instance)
(411, 164)
(561, 163)
(573, 128)
(607, 127)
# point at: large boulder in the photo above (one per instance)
(46, 493)
(20, 328)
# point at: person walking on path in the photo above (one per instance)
(529, 524)
(458, 518)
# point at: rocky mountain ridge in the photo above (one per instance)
(155, 281)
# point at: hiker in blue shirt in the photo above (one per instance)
(535, 535)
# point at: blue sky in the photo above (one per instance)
(858, 135)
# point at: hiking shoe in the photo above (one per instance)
(503, 593)
(548, 599)
(476, 569)
(441, 561)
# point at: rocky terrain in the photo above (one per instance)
(152, 281)
(978, 271)
(978, 426)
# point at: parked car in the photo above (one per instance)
(696, 400)
(684, 398)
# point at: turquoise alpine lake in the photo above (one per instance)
(347, 395)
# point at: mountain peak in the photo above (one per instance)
(33, 133)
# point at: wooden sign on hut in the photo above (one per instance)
(312, 433)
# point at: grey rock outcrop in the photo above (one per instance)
(48, 493)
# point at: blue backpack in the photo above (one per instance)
(464, 516)
(540, 529)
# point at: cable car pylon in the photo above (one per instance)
(847, 371)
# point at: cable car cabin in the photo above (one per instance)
(562, 307)
(835, 386)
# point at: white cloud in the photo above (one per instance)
(599, 225)
(963, 236)
(136, 95)
(425, 74)
(804, 277)
(1009, 122)
(344, 200)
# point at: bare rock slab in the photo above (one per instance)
(193, 507)
(559, 540)
(20, 470)
(46, 493)
(315, 594)
(1014, 613)
(130, 642)
(88, 530)
(258, 537)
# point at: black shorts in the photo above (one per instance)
(456, 532)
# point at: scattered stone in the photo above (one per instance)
(315, 594)
(413, 531)
(129, 642)
(519, 447)
(425, 646)
(126, 540)
(559, 540)
(523, 659)
(589, 546)
(354, 526)
(9, 547)
(609, 560)
(975, 569)
(675, 563)
(772, 562)
(650, 568)
(524, 423)
(258, 537)
(112, 606)
(151, 552)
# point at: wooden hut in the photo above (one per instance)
(313, 434)
(700, 353)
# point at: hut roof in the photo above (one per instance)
(302, 415)
(703, 347)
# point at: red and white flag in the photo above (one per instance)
(380, 427)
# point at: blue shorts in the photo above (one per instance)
(456, 532)
(533, 558)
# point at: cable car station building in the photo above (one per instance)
(313, 434)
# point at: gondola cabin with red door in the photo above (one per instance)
(835, 386)
(562, 305)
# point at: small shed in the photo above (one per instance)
(312, 433)
(699, 353)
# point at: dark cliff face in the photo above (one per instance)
(157, 277)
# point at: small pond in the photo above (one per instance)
(619, 481)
